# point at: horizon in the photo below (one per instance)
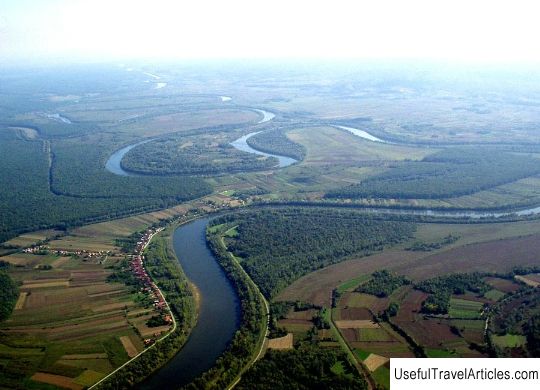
(62, 31)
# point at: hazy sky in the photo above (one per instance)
(474, 30)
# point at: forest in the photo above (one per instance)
(449, 173)
(9, 292)
(516, 324)
(276, 142)
(300, 240)
(382, 283)
(82, 191)
(79, 171)
(308, 367)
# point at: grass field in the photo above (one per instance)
(322, 144)
(460, 308)
(353, 283)
(382, 376)
(494, 294)
(508, 340)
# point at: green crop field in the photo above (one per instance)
(509, 340)
(460, 308)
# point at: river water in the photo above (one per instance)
(219, 311)
(59, 118)
(241, 144)
(361, 133)
(114, 165)
(267, 116)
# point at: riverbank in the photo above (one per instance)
(249, 338)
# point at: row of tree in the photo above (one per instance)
(9, 293)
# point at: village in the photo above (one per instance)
(148, 285)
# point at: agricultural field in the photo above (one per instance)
(70, 326)
(514, 328)
(398, 326)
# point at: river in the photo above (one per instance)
(114, 165)
(59, 118)
(219, 311)
(361, 133)
(267, 116)
(241, 144)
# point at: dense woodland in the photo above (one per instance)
(276, 142)
(203, 154)
(517, 317)
(382, 283)
(82, 191)
(9, 292)
(79, 171)
(449, 173)
(300, 240)
(308, 367)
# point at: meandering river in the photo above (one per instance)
(219, 311)
(59, 118)
(114, 165)
(267, 116)
(241, 144)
